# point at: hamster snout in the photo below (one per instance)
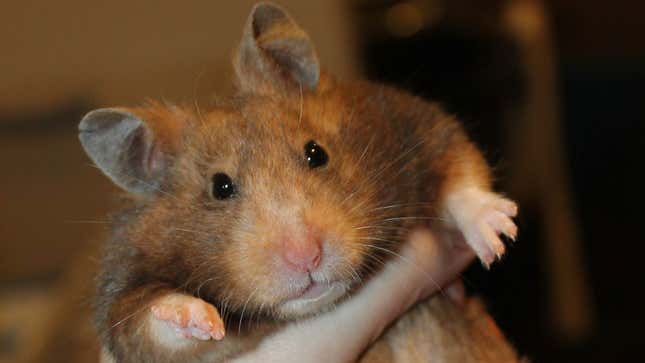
(301, 254)
(295, 253)
(306, 262)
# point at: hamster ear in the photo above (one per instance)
(125, 148)
(275, 54)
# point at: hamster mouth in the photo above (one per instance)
(315, 297)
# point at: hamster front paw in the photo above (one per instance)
(481, 216)
(189, 316)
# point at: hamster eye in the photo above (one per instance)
(316, 155)
(223, 186)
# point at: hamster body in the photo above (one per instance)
(276, 204)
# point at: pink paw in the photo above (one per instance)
(482, 217)
(189, 316)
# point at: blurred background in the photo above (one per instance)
(552, 90)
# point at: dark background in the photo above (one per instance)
(475, 68)
(589, 63)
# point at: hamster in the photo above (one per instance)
(276, 204)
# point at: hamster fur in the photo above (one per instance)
(299, 186)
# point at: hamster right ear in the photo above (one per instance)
(275, 55)
(125, 148)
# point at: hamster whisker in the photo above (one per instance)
(387, 228)
(378, 239)
(347, 273)
(359, 187)
(394, 219)
(202, 284)
(356, 277)
(365, 151)
(357, 206)
(404, 166)
(135, 313)
(372, 257)
(396, 160)
(198, 274)
(399, 256)
(239, 326)
(223, 307)
(371, 270)
(129, 317)
(350, 196)
(400, 205)
(259, 314)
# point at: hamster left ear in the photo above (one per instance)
(132, 146)
(275, 54)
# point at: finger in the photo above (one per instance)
(440, 256)
(456, 292)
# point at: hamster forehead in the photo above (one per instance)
(267, 130)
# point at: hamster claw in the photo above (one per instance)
(482, 217)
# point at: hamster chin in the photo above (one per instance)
(315, 298)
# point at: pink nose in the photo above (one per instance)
(301, 255)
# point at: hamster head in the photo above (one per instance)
(269, 204)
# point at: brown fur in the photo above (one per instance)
(392, 158)
(437, 331)
(184, 240)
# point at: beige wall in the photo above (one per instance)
(106, 53)
(119, 51)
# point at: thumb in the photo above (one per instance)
(426, 263)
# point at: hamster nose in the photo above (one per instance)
(302, 255)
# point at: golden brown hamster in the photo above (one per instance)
(275, 204)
